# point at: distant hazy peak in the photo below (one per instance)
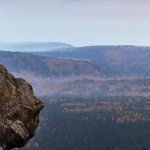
(33, 46)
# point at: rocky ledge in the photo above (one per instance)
(19, 111)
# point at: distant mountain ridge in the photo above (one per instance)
(46, 67)
(33, 46)
(125, 60)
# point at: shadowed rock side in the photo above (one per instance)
(19, 111)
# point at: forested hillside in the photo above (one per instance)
(43, 72)
(125, 60)
(45, 67)
(87, 86)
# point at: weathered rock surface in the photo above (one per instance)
(19, 111)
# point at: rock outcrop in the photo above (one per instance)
(19, 111)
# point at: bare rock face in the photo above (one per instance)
(19, 111)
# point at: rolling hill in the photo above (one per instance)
(43, 72)
(129, 61)
(46, 67)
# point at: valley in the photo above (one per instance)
(95, 97)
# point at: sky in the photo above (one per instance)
(77, 22)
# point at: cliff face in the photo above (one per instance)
(19, 111)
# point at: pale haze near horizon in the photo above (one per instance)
(77, 22)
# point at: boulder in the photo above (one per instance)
(19, 111)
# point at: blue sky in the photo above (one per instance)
(78, 22)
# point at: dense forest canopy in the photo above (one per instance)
(89, 124)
